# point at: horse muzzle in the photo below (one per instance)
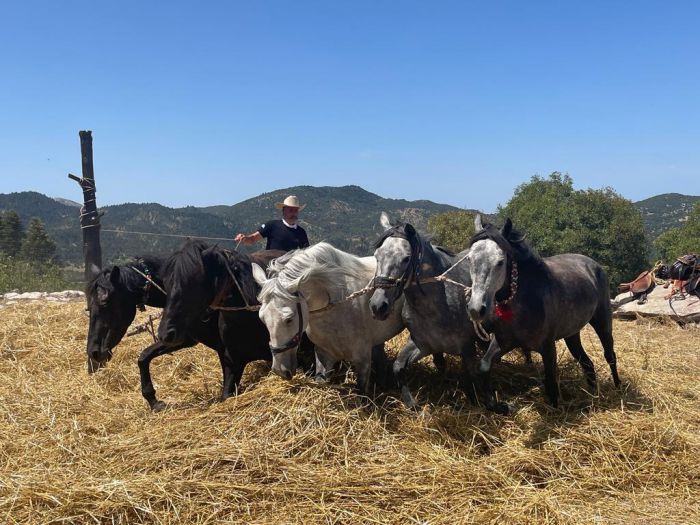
(477, 310)
(284, 364)
(380, 306)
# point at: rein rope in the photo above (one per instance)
(149, 280)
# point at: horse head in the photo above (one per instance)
(398, 252)
(112, 308)
(285, 313)
(492, 261)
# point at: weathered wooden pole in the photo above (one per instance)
(89, 216)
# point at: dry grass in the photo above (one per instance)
(79, 449)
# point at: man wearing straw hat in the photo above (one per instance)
(281, 235)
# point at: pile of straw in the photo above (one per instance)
(85, 449)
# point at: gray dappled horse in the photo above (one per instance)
(435, 312)
(530, 302)
(306, 293)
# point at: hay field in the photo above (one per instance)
(80, 449)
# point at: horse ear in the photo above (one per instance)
(410, 230)
(384, 221)
(478, 225)
(507, 227)
(114, 275)
(259, 274)
(94, 270)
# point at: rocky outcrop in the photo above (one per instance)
(50, 297)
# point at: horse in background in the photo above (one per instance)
(307, 292)
(530, 302)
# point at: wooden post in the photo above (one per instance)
(89, 216)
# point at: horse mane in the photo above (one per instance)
(514, 243)
(321, 263)
(186, 260)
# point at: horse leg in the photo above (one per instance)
(602, 324)
(325, 363)
(408, 355)
(233, 371)
(148, 391)
(363, 370)
(380, 368)
(549, 358)
(481, 377)
(493, 353)
(573, 342)
(439, 362)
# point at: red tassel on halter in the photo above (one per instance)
(504, 312)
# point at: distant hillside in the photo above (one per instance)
(346, 216)
(665, 211)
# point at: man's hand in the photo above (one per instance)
(240, 237)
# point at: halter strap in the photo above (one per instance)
(294, 341)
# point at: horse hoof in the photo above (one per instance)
(410, 403)
(320, 378)
(502, 408)
(158, 406)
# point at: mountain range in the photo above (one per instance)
(346, 216)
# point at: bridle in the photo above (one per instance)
(220, 296)
(294, 341)
(412, 271)
(150, 283)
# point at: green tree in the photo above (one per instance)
(680, 241)
(541, 208)
(11, 234)
(597, 223)
(37, 247)
(453, 229)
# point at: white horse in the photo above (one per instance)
(307, 292)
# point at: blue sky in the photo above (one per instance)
(456, 102)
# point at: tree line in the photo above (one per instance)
(32, 245)
(559, 219)
(28, 259)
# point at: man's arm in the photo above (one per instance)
(248, 239)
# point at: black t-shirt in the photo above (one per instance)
(281, 237)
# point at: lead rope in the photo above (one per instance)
(148, 279)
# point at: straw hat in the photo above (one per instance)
(292, 201)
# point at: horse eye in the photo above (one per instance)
(499, 263)
(288, 320)
(406, 259)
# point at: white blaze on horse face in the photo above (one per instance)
(488, 271)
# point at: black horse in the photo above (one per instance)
(198, 278)
(113, 297)
(531, 302)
